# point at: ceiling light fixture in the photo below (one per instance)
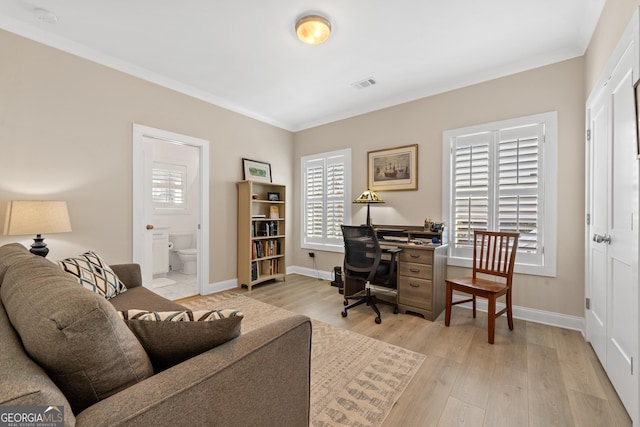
(313, 29)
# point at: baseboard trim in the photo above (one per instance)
(310, 272)
(531, 314)
(523, 313)
(212, 288)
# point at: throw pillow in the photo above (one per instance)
(170, 337)
(94, 274)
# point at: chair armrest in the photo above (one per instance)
(260, 378)
(394, 252)
(129, 274)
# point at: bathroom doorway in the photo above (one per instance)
(171, 211)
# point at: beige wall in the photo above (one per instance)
(558, 87)
(65, 133)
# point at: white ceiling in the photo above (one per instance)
(243, 54)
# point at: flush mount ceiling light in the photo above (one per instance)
(313, 29)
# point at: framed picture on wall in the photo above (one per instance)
(393, 168)
(254, 170)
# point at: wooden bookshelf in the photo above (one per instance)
(261, 232)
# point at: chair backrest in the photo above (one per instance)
(362, 252)
(494, 253)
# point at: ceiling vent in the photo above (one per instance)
(364, 83)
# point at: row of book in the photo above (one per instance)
(264, 228)
(264, 248)
(268, 267)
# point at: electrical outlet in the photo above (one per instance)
(312, 255)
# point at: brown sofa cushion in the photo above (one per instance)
(22, 381)
(11, 253)
(94, 274)
(143, 298)
(170, 337)
(75, 335)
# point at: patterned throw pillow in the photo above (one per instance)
(171, 337)
(94, 274)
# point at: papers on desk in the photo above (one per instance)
(396, 239)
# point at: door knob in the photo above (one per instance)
(599, 238)
(149, 226)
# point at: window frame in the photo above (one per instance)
(547, 194)
(324, 244)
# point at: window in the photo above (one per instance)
(502, 176)
(326, 199)
(168, 186)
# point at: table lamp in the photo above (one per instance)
(36, 217)
(368, 197)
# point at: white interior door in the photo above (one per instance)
(612, 263)
(622, 336)
(142, 234)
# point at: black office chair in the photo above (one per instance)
(364, 266)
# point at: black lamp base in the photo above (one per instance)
(39, 247)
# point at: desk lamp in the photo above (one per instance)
(36, 217)
(368, 197)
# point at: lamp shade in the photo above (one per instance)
(36, 217)
(313, 29)
(368, 196)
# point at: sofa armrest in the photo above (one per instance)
(129, 274)
(260, 378)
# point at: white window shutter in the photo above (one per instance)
(325, 194)
(168, 185)
(497, 180)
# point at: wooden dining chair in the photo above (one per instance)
(494, 254)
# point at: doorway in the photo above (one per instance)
(171, 211)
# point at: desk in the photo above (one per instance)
(421, 269)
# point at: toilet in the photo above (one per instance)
(182, 245)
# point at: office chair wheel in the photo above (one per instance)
(395, 310)
(378, 320)
(344, 313)
(345, 302)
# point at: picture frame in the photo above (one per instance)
(273, 197)
(254, 170)
(393, 169)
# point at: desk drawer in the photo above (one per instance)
(421, 256)
(413, 269)
(415, 292)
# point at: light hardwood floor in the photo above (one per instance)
(535, 375)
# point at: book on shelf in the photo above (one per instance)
(274, 212)
(258, 216)
(255, 274)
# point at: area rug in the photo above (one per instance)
(355, 380)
